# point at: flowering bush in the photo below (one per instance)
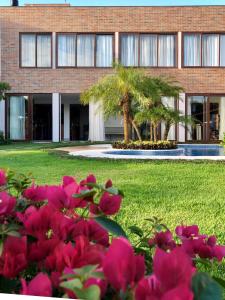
(62, 241)
(145, 145)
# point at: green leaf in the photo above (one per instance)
(91, 293)
(112, 190)
(85, 270)
(72, 284)
(14, 233)
(1, 246)
(220, 281)
(111, 226)
(85, 194)
(205, 288)
(136, 230)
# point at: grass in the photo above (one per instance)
(177, 192)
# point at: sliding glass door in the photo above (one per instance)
(18, 117)
(208, 118)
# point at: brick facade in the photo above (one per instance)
(14, 20)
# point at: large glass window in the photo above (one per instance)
(148, 50)
(36, 50)
(206, 50)
(18, 106)
(192, 50)
(67, 50)
(85, 50)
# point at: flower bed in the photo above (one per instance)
(62, 241)
(145, 145)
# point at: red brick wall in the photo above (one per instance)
(103, 19)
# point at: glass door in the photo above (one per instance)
(17, 117)
(196, 108)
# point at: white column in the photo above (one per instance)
(66, 121)
(2, 116)
(53, 50)
(181, 108)
(179, 49)
(96, 122)
(56, 117)
(116, 46)
(168, 102)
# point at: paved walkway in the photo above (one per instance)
(82, 148)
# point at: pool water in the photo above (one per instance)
(182, 150)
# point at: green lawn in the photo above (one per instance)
(177, 192)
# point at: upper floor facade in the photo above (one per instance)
(63, 49)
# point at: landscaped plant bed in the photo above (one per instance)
(145, 145)
(62, 241)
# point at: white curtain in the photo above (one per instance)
(67, 50)
(148, 50)
(166, 51)
(85, 50)
(44, 51)
(222, 118)
(96, 122)
(129, 50)
(222, 50)
(104, 55)
(210, 50)
(192, 50)
(170, 103)
(17, 118)
(28, 51)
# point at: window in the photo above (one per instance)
(148, 50)
(85, 50)
(204, 50)
(35, 50)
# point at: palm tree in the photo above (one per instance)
(171, 117)
(117, 93)
(4, 87)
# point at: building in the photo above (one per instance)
(49, 54)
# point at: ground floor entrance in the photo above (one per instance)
(208, 118)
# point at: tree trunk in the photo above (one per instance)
(151, 132)
(126, 110)
(136, 129)
(155, 132)
(166, 132)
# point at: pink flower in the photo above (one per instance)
(7, 203)
(187, 231)
(148, 289)
(181, 292)
(36, 193)
(40, 285)
(13, 259)
(3, 179)
(57, 198)
(108, 184)
(110, 204)
(99, 282)
(121, 267)
(163, 240)
(172, 269)
(98, 234)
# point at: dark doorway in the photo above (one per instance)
(42, 118)
(79, 120)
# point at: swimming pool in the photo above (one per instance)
(183, 151)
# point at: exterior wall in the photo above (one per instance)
(14, 20)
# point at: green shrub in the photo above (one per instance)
(3, 141)
(145, 145)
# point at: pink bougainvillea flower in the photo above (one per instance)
(7, 203)
(148, 289)
(187, 231)
(57, 198)
(36, 193)
(181, 292)
(67, 180)
(102, 284)
(14, 257)
(38, 251)
(3, 178)
(40, 285)
(24, 216)
(121, 267)
(98, 234)
(163, 240)
(110, 204)
(172, 269)
(108, 184)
